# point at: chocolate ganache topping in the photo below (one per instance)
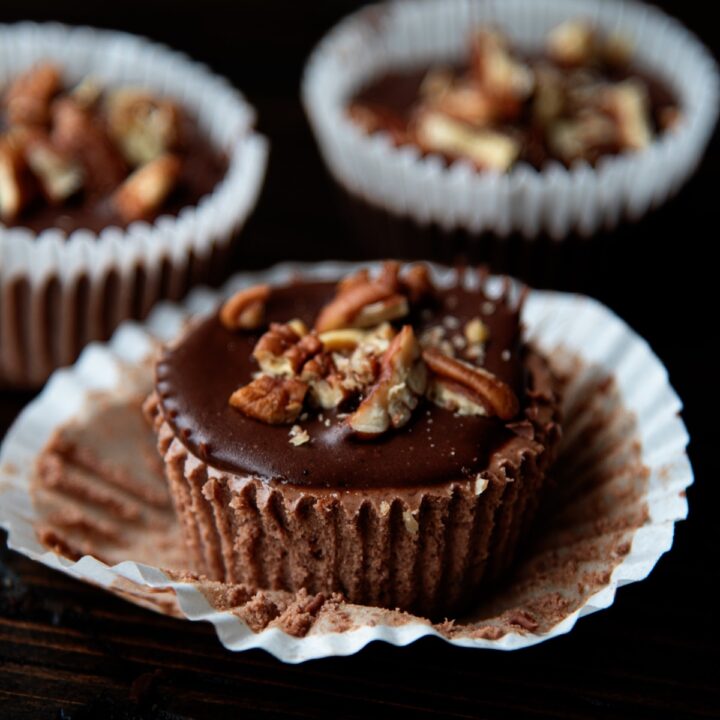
(216, 384)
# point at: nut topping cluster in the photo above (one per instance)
(578, 101)
(363, 359)
(124, 145)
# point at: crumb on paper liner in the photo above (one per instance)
(619, 492)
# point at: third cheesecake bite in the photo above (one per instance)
(383, 436)
(581, 98)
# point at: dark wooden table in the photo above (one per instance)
(70, 651)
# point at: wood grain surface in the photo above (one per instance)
(69, 651)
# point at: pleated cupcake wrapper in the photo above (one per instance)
(555, 201)
(57, 293)
(429, 549)
(639, 507)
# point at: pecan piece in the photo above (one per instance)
(325, 383)
(363, 302)
(60, 176)
(507, 80)
(77, 133)
(572, 43)
(144, 127)
(29, 96)
(145, 190)
(392, 399)
(487, 149)
(417, 284)
(15, 188)
(466, 102)
(282, 352)
(627, 103)
(492, 394)
(271, 400)
(245, 310)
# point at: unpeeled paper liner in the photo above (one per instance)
(579, 325)
(555, 201)
(57, 293)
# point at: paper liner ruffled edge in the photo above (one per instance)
(555, 201)
(111, 268)
(553, 319)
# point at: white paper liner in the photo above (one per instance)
(29, 350)
(581, 325)
(555, 201)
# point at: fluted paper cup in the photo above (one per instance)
(621, 479)
(59, 292)
(555, 201)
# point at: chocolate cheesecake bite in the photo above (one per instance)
(88, 156)
(580, 99)
(383, 437)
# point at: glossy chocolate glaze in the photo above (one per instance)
(394, 95)
(195, 378)
(203, 166)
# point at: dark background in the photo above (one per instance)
(69, 651)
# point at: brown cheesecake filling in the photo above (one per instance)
(580, 99)
(91, 157)
(195, 378)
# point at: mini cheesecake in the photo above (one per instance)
(382, 437)
(85, 156)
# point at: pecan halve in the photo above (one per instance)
(392, 399)
(282, 352)
(492, 393)
(245, 310)
(271, 400)
(362, 301)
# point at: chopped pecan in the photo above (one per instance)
(29, 96)
(585, 137)
(59, 175)
(363, 302)
(144, 126)
(505, 78)
(466, 102)
(282, 352)
(627, 103)
(325, 382)
(392, 399)
(476, 331)
(492, 394)
(298, 436)
(245, 310)
(15, 188)
(487, 149)
(144, 191)
(272, 400)
(417, 284)
(345, 339)
(572, 43)
(77, 133)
